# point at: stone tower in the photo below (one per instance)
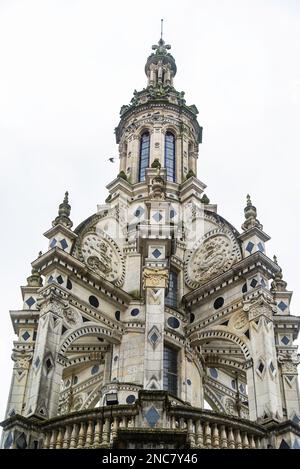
(154, 306)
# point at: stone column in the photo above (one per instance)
(288, 361)
(154, 281)
(19, 382)
(263, 378)
(47, 364)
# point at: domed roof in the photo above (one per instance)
(161, 54)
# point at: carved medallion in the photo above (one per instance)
(72, 318)
(101, 254)
(215, 253)
(239, 321)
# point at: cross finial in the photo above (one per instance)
(161, 29)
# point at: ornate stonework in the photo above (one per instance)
(72, 317)
(101, 254)
(155, 278)
(215, 253)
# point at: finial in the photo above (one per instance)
(34, 280)
(278, 283)
(161, 29)
(250, 216)
(64, 211)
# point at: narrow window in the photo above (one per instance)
(171, 297)
(170, 156)
(144, 155)
(170, 370)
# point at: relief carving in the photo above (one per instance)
(215, 254)
(155, 278)
(71, 317)
(239, 321)
(102, 255)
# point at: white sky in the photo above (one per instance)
(67, 66)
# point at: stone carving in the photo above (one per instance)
(153, 277)
(230, 407)
(101, 254)
(154, 296)
(216, 252)
(77, 403)
(289, 367)
(239, 321)
(22, 361)
(260, 308)
(71, 317)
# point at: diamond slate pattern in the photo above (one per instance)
(157, 216)
(156, 253)
(285, 340)
(30, 301)
(152, 416)
(261, 247)
(37, 362)
(261, 367)
(253, 283)
(26, 335)
(249, 247)
(53, 243)
(282, 306)
(64, 244)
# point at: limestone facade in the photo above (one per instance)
(154, 306)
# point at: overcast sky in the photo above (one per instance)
(67, 66)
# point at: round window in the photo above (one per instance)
(135, 312)
(130, 399)
(94, 301)
(213, 373)
(219, 302)
(173, 322)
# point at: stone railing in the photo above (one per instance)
(103, 428)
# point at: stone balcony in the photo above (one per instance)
(155, 420)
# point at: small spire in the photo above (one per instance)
(34, 280)
(250, 216)
(64, 211)
(161, 29)
(278, 284)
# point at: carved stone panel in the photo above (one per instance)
(153, 277)
(102, 255)
(215, 253)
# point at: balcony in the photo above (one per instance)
(156, 420)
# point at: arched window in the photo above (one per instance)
(144, 155)
(170, 156)
(171, 297)
(170, 370)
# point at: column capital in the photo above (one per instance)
(154, 277)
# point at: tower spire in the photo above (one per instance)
(64, 211)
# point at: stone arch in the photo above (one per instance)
(212, 400)
(91, 329)
(198, 338)
(170, 128)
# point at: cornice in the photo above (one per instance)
(249, 265)
(56, 257)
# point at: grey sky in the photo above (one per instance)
(66, 67)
